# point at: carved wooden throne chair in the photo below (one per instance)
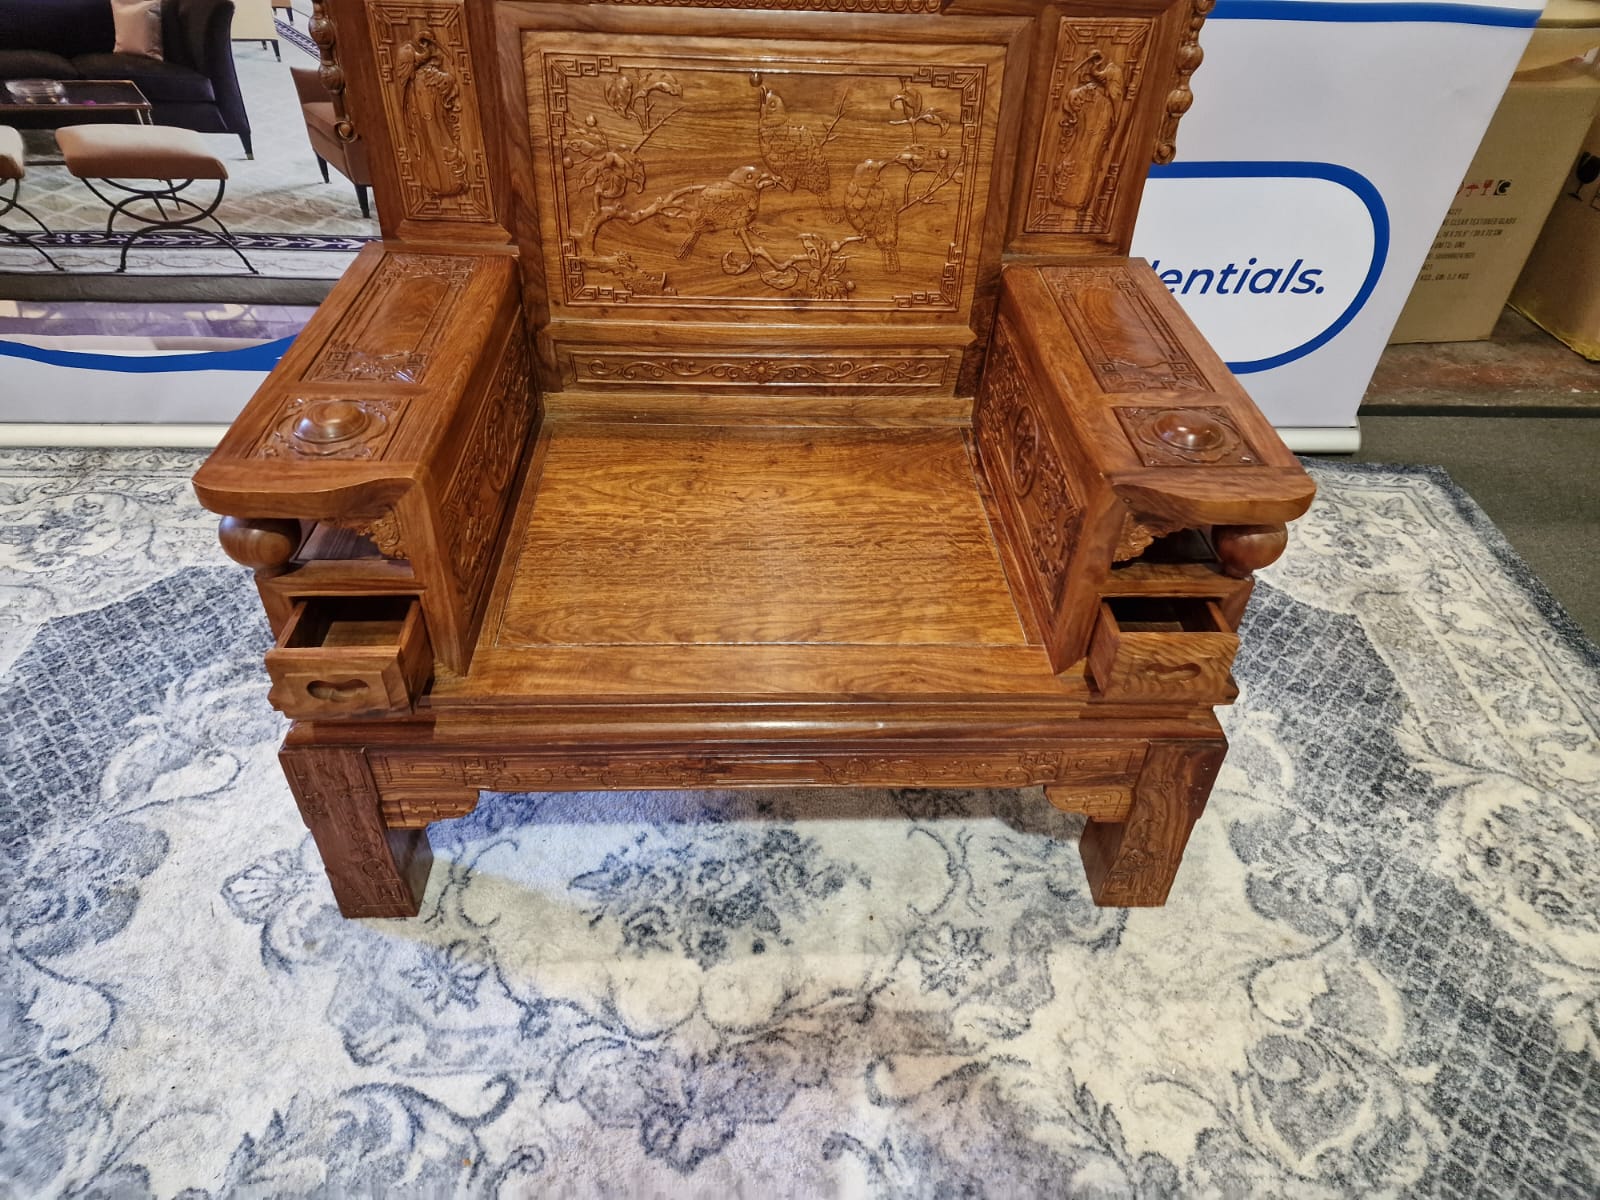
(751, 398)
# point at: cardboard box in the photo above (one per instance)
(1560, 286)
(1501, 205)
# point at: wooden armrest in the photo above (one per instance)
(400, 412)
(1106, 421)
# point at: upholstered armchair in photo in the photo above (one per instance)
(348, 158)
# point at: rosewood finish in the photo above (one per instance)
(751, 394)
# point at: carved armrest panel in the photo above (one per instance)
(400, 412)
(1106, 421)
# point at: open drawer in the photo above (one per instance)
(1163, 648)
(350, 656)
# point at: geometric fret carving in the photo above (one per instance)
(1128, 344)
(1010, 438)
(429, 95)
(392, 332)
(1099, 67)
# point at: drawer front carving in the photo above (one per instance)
(1095, 82)
(1151, 648)
(363, 656)
(690, 174)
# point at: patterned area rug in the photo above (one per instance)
(1379, 972)
(291, 224)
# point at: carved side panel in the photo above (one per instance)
(392, 333)
(1012, 443)
(1098, 74)
(1128, 344)
(837, 177)
(475, 499)
(430, 98)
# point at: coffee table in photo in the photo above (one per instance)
(145, 169)
(106, 97)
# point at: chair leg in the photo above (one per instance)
(1131, 864)
(361, 199)
(375, 871)
(10, 204)
(249, 149)
(276, 52)
(322, 165)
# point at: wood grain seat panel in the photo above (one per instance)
(687, 535)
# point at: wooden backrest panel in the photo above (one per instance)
(804, 203)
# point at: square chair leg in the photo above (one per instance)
(375, 871)
(1131, 864)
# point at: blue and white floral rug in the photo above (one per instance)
(1379, 972)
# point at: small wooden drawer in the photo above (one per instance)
(1163, 648)
(350, 656)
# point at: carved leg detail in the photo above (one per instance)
(1131, 864)
(375, 871)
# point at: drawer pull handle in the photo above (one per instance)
(1177, 673)
(347, 692)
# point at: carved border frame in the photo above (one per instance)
(1074, 35)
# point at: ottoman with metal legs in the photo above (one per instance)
(146, 171)
(12, 171)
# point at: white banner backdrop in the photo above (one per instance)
(1324, 147)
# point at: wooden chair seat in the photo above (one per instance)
(685, 430)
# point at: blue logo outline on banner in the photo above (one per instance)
(1362, 12)
(244, 358)
(265, 356)
(1333, 173)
